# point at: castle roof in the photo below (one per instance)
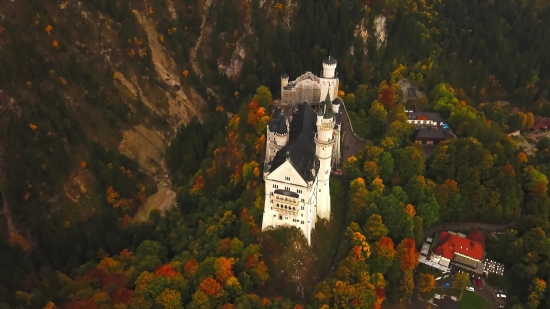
(273, 123)
(449, 244)
(328, 107)
(282, 129)
(321, 109)
(336, 101)
(300, 148)
(330, 60)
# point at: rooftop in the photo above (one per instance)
(433, 116)
(431, 133)
(300, 149)
(330, 60)
(450, 244)
(287, 193)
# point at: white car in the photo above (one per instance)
(501, 295)
(471, 289)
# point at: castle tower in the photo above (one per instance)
(324, 140)
(281, 135)
(284, 81)
(329, 79)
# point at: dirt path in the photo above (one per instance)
(7, 214)
(181, 108)
(193, 53)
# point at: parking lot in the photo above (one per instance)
(493, 267)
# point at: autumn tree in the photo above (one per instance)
(461, 281)
(169, 299)
(374, 228)
(426, 282)
(358, 196)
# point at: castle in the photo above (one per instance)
(303, 144)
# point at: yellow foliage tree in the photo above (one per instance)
(185, 73)
(49, 305)
(55, 44)
(33, 126)
(48, 29)
(18, 240)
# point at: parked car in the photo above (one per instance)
(501, 295)
(446, 285)
(478, 281)
(471, 289)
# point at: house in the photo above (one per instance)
(540, 123)
(301, 148)
(424, 118)
(463, 252)
(514, 109)
(431, 135)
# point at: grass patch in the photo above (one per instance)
(428, 295)
(448, 291)
(471, 300)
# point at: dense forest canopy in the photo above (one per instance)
(196, 80)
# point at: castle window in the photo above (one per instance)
(286, 218)
(287, 188)
(274, 216)
(293, 208)
(302, 215)
(287, 178)
(277, 204)
(302, 207)
(280, 217)
(302, 222)
(299, 191)
(303, 202)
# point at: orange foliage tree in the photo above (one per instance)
(165, 270)
(222, 267)
(408, 255)
(190, 267)
(197, 188)
(210, 286)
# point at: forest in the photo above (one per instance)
(77, 244)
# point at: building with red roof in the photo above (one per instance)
(465, 252)
(477, 235)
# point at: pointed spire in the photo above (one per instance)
(327, 99)
(282, 128)
(321, 110)
(328, 107)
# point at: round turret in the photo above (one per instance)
(336, 105)
(329, 67)
(281, 134)
(284, 80)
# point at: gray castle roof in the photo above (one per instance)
(330, 60)
(300, 148)
(282, 129)
(328, 107)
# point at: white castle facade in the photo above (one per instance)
(303, 144)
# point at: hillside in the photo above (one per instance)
(111, 109)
